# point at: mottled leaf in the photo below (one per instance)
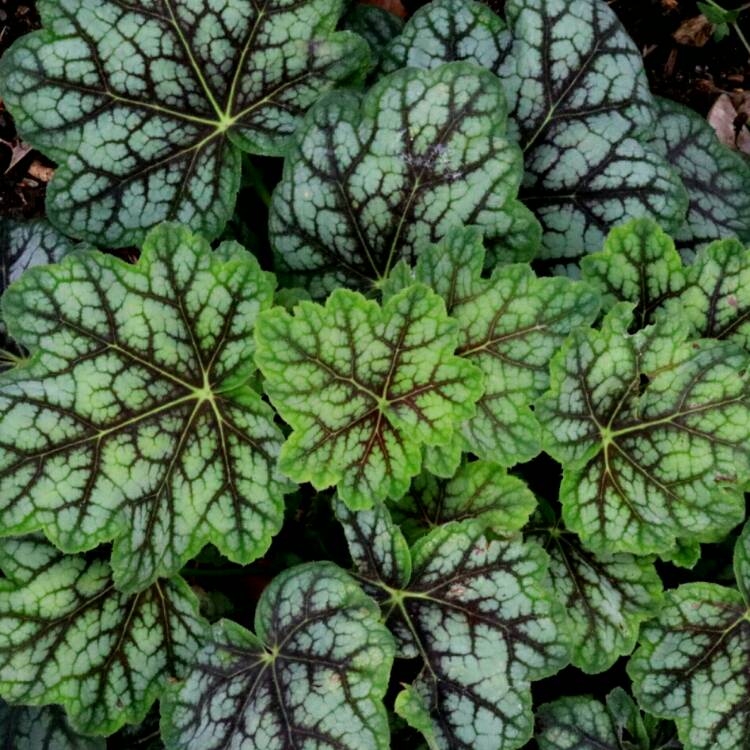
(364, 387)
(70, 637)
(375, 25)
(510, 325)
(693, 664)
(133, 419)
(652, 432)
(31, 728)
(312, 675)
(375, 178)
(146, 105)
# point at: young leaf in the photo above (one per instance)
(717, 179)
(364, 388)
(606, 596)
(510, 325)
(71, 637)
(475, 611)
(373, 179)
(693, 664)
(30, 728)
(313, 674)
(375, 25)
(145, 105)
(652, 433)
(133, 419)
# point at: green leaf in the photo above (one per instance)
(364, 387)
(716, 14)
(717, 179)
(133, 419)
(606, 596)
(477, 614)
(376, 26)
(29, 728)
(375, 178)
(479, 490)
(313, 674)
(147, 105)
(70, 637)
(652, 433)
(693, 664)
(510, 326)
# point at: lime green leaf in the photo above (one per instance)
(373, 179)
(133, 419)
(693, 664)
(146, 105)
(477, 614)
(717, 179)
(312, 675)
(30, 728)
(70, 637)
(652, 433)
(479, 490)
(510, 326)
(376, 26)
(364, 388)
(606, 596)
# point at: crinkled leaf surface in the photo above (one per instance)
(373, 179)
(133, 419)
(478, 490)
(510, 325)
(364, 387)
(313, 674)
(717, 179)
(475, 611)
(652, 432)
(579, 102)
(145, 104)
(70, 637)
(606, 596)
(376, 26)
(693, 664)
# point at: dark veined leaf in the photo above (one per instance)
(375, 178)
(145, 104)
(606, 596)
(312, 675)
(133, 419)
(375, 25)
(70, 637)
(652, 432)
(584, 723)
(510, 325)
(478, 490)
(31, 728)
(717, 179)
(579, 103)
(693, 664)
(364, 387)
(477, 614)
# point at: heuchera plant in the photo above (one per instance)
(466, 422)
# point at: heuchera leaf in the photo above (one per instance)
(510, 325)
(478, 490)
(364, 387)
(717, 179)
(133, 419)
(579, 103)
(70, 637)
(475, 611)
(652, 433)
(312, 675)
(145, 105)
(31, 728)
(605, 596)
(693, 664)
(374, 178)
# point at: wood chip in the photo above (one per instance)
(18, 150)
(727, 122)
(40, 172)
(694, 32)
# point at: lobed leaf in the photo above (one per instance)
(30, 728)
(364, 387)
(147, 105)
(313, 674)
(133, 420)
